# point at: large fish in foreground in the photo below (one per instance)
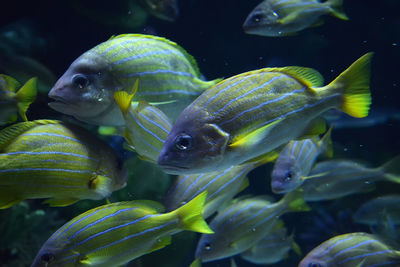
(55, 160)
(114, 234)
(168, 75)
(353, 250)
(277, 18)
(252, 113)
(14, 100)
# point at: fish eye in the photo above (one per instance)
(80, 80)
(207, 246)
(47, 257)
(256, 18)
(288, 175)
(313, 264)
(183, 142)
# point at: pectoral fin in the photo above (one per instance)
(254, 137)
(162, 242)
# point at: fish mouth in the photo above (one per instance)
(61, 105)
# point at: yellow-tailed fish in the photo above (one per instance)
(295, 162)
(276, 18)
(353, 250)
(15, 100)
(55, 160)
(252, 113)
(241, 225)
(273, 248)
(146, 127)
(334, 179)
(114, 234)
(221, 186)
(166, 72)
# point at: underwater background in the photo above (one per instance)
(55, 33)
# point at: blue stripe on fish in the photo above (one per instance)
(190, 186)
(45, 169)
(117, 45)
(353, 247)
(155, 124)
(159, 115)
(178, 73)
(143, 55)
(51, 185)
(149, 132)
(166, 92)
(180, 182)
(210, 182)
(56, 135)
(269, 217)
(294, 5)
(364, 256)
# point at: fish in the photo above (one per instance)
(13, 101)
(273, 248)
(56, 160)
(276, 18)
(252, 113)
(114, 234)
(340, 177)
(221, 186)
(146, 127)
(163, 9)
(296, 160)
(352, 250)
(376, 210)
(242, 224)
(166, 72)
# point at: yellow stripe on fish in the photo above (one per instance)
(56, 160)
(252, 113)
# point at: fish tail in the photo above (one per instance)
(190, 215)
(391, 170)
(354, 83)
(337, 9)
(25, 96)
(295, 201)
(124, 98)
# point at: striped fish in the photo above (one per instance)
(168, 75)
(255, 112)
(114, 234)
(13, 101)
(338, 178)
(241, 225)
(379, 209)
(295, 162)
(56, 160)
(353, 250)
(286, 17)
(146, 127)
(273, 248)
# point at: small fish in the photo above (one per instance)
(166, 72)
(255, 112)
(352, 250)
(295, 162)
(244, 223)
(146, 127)
(273, 248)
(163, 9)
(221, 186)
(378, 209)
(338, 178)
(55, 160)
(114, 234)
(13, 101)
(276, 18)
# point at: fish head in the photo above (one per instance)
(263, 20)
(285, 176)
(193, 145)
(83, 91)
(55, 253)
(213, 247)
(310, 261)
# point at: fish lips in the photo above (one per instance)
(60, 104)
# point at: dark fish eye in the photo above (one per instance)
(47, 257)
(312, 264)
(207, 246)
(257, 18)
(80, 80)
(183, 142)
(288, 175)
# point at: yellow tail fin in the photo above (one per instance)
(124, 99)
(337, 9)
(191, 217)
(25, 96)
(355, 83)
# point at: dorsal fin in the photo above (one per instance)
(8, 134)
(161, 39)
(308, 76)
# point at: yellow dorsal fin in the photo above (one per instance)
(124, 99)
(308, 76)
(252, 138)
(8, 134)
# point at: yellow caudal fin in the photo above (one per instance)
(295, 201)
(354, 84)
(191, 217)
(25, 96)
(124, 99)
(337, 9)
